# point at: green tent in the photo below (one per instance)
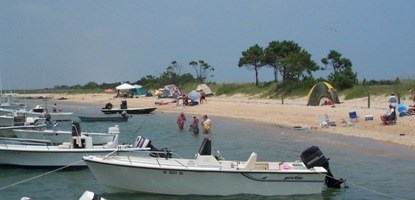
(319, 91)
(137, 91)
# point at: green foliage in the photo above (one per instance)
(202, 70)
(342, 76)
(405, 88)
(233, 88)
(253, 58)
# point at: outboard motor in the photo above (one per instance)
(141, 142)
(205, 148)
(123, 104)
(313, 157)
(76, 129)
(108, 106)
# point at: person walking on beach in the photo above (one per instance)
(194, 127)
(206, 124)
(180, 121)
(202, 97)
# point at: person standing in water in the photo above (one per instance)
(181, 119)
(194, 127)
(206, 124)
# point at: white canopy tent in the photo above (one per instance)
(124, 86)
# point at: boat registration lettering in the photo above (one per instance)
(172, 172)
(293, 178)
(50, 134)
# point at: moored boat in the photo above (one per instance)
(207, 174)
(20, 122)
(66, 154)
(104, 118)
(109, 109)
(59, 136)
(55, 116)
(38, 112)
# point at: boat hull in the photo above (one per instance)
(118, 177)
(55, 116)
(8, 130)
(49, 157)
(58, 137)
(103, 119)
(129, 110)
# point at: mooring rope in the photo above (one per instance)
(138, 128)
(365, 188)
(38, 176)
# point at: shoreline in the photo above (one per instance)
(294, 112)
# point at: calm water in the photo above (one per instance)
(374, 170)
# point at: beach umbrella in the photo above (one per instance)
(194, 96)
(124, 86)
(109, 90)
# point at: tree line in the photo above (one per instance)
(287, 59)
(295, 67)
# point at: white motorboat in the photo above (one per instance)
(10, 101)
(59, 136)
(55, 116)
(208, 175)
(66, 154)
(20, 122)
(38, 112)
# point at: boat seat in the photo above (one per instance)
(65, 145)
(112, 144)
(250, 163)
(274, 166)
(191, 163)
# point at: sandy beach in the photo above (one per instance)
(294, 112)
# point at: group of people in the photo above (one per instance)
(202, 99)
(194, 127)
(390, 116)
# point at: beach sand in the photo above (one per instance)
(294, 112)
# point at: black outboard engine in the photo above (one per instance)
(123, 104)
(141, 142)
(205, 148)
(76, 129)
(108, 106)
(313, 157)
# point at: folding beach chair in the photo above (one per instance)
(323, 122)
(329, 122)
(353, 116)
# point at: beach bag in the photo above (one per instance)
(402, 110)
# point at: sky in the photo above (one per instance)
(57, 42)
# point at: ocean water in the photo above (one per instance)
(374, 170)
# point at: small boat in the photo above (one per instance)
(59, 136)
(55, 116)
(207, 174)
(104, 118)
(38, 112)
(20, 122)
(108, 109)
(66, 154)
